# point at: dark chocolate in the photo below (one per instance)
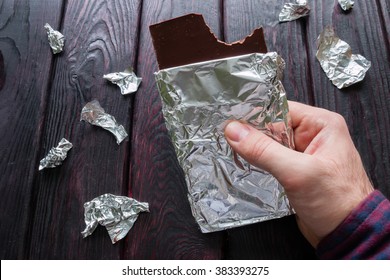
(188, 39)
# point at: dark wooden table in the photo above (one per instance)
(41, 96)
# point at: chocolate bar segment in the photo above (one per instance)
(188, 39)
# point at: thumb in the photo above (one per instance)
(264, 152)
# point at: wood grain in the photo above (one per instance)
(25, 63)
(169, 231)
(101, 37)
(384, 15)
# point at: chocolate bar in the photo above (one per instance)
(188, 39)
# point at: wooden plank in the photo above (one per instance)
(384, 16)
(169, 231)
(365, 106)
(101, 37)
(280, 238)
(25, 66)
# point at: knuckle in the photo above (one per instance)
(338, 120)
(259, 149)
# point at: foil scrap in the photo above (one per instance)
(346, 4)
(293, 11)
(127, 81)
(56, 155)
(117, 213)
(199, 99)
(95, 115)
(56, 39)
(335, 56)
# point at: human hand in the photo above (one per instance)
(324, 178)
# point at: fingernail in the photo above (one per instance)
(236, 131)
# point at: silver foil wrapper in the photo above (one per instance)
(56, 39)
(56, 155)
(346, 4)
(335, 56)
(117, 213)
(293, 11)
(198, 100)
(95, 115)
(127, 81)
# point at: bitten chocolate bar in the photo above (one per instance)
(203, 84)
(188, 39)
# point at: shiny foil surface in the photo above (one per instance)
(56, 39)
(56, 155)
(346, 4)
(335, 56)
(117, 213)
(127, 81)
(198, 100)
(95, 115)
(293, 11)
